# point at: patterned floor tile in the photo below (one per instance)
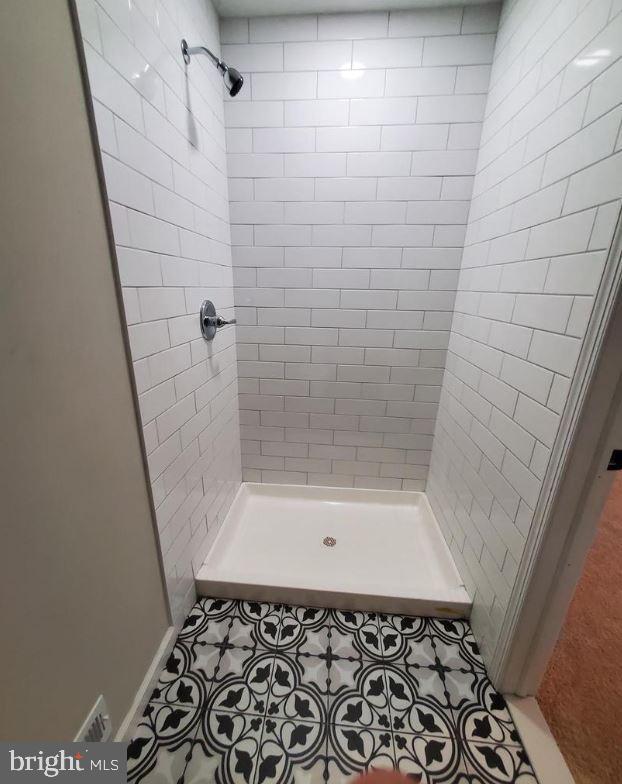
(255, 692)
(498, 764)
(296, 695)
(355, 635)
(353, 749)
(304, 630)
(365, 704)
(256, 625)
(226, 750)
(484, 716)
(247, 692)
(208, 621)
(161, 741)
(435, 758)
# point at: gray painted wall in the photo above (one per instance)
(83, 605)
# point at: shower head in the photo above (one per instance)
(232, 77)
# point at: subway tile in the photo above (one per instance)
(234, 31)
(311, 335)
(283, 28)
(312, 257)
(603, 94)
(387, 236)
(283, 189)
(474, 49)
(606, 217)
(360, 406)
(344, 188)
(450, 212)
(348, 139)
(537, 419)
(368, 300)
(480, 18)
(255, 165)
(594, 185)
(510, 338)
(366, 373)
(362, 212)
(316, 113)
(414, 137)
(371, 258)
(472, 79)
(283, 140)
(338, 317)
(327, 164)
(139, 268)
(385, 53)
(365, 337)
(341, 235)
(526, 377)
(443, 162)
(318, 55)
(239, 140)
(111, 89)
(542, 311)
(408, 188)
(462, 136)
(420, 81)
(350, 84)
(142, 155)
(255, 56)
(591, 144)
(575, 274)
(451, 108)
(288, 85)
(158, 303)
(281, 235)
(254, 114)
(555, 352)
(148, 233)
(308, 436)
(383, 111)
(425, 22)
(352, 26)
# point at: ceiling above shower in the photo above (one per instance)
(270, 7)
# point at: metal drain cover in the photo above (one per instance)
(329, 541)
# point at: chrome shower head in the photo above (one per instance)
(232, 77)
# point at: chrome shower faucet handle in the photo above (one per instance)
(211, 321)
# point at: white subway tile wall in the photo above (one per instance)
(545, 202)
(351, 155)
(162, 137)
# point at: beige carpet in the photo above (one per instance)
(581, 694)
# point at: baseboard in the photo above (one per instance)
(134, 714)
(548, 763)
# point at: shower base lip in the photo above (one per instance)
(389, 554)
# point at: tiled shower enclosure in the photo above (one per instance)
(419, 205)
(351, 155)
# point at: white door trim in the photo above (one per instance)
(573, 492)
(546, 759)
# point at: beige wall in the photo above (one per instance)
(83, 608)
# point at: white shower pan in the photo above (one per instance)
(321, 546)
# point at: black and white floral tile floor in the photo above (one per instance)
(256, 693)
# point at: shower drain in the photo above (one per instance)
(329, 541)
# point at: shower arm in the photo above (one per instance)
(189, 50)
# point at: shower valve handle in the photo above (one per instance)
(211, 321)
(217, 321)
